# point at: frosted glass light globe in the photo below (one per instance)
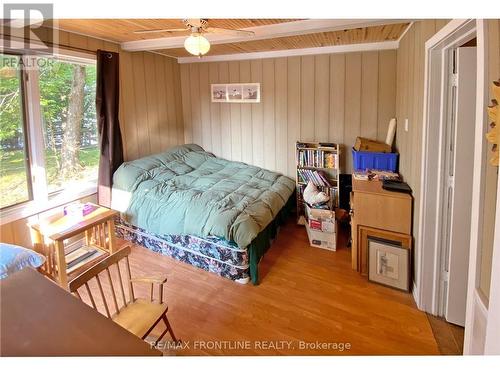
(197, 45)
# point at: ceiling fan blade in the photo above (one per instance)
(220, 30)
(150, 31)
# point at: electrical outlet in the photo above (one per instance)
(406, 125)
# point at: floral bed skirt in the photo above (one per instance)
(211, 253)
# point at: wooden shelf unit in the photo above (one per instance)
(316, 161)
(59, 236)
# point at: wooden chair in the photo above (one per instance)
(136, 315)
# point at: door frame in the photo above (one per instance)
(428, 254)
(482, 326)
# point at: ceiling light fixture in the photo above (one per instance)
(197, 44)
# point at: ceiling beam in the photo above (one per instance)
(345, 48)
(278, 30)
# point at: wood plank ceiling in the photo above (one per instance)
(371, 34)
(122, 30)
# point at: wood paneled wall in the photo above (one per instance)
(150, 105)
(331, 98)
(410, 96)
(150, 101)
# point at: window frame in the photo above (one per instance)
(39, 198)
(24, 119)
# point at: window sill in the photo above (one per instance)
(27, 209)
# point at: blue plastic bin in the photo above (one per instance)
(375, 160)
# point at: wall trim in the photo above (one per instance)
(360, 47)
(406, 30)
(101, 39)
(415, 293)
(76, 54)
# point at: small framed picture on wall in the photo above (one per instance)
(219, 93)
(236, 92)
(250, 92)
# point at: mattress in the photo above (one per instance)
(202, 195)
(211, 253)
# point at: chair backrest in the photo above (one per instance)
(96, 272)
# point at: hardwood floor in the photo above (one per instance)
(449, 337)
(306, 295)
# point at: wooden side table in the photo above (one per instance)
(95, 229)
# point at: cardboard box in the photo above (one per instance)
(323, 240)
(320, 220)
(318, 213)
(365, 144)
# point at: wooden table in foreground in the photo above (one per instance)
(38, 318)
(96, 229)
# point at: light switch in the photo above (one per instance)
(406, 124)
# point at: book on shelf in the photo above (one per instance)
(318, 178)
(327, 144)
(317, 158)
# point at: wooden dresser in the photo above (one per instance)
(374, 207)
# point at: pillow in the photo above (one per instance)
(14, 258)
(313, 196)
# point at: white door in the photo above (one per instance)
(460, 170)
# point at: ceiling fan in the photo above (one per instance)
(196, 43)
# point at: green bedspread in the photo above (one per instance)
(186, 190)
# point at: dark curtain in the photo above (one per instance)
(110, 138)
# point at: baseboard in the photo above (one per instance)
(416, 295)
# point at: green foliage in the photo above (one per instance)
(55, 78)
(10, 100)
(13, 173)
(55, 90)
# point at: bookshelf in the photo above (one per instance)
(320, 163)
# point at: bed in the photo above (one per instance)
(215, 214)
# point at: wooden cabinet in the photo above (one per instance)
(374, 207)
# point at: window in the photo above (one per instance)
(67, 100)
(48, 137)
(14, 182)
